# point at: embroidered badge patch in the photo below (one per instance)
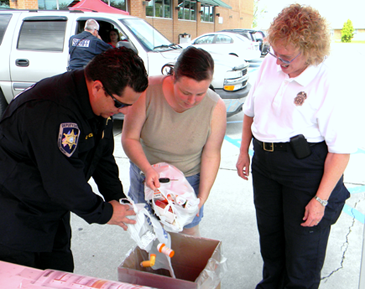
(300, 98)
(68, 138)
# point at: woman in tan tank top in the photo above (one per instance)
(180, 121)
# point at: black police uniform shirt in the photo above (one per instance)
(83, 47)
(51, 143)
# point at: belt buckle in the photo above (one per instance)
(268, 147)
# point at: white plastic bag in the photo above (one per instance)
(142, 232)
(175, 202)
(148, 233)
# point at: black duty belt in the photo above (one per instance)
(273, 146)
(276, 146)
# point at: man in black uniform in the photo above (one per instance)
(53, 138)
(86, 45)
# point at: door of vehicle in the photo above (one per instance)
(7, 24)
(112, 21)
(37, 50)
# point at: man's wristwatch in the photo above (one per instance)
(322, 202)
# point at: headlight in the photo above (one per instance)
(233, 73)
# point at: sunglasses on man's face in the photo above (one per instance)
(117, 103)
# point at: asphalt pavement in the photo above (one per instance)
(230, 217)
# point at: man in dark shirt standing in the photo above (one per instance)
(54, 137)
(84, 46)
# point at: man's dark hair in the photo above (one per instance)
(117, 68)
(195, 63)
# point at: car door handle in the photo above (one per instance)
(22, 62)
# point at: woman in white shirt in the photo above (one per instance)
(301, 150)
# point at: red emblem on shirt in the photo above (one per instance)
(300, 98)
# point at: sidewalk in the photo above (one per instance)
(229, 216)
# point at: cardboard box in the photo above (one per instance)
(198, 263)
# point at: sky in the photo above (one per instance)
(337, 12)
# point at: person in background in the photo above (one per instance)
(54, 137)
(114, 37)
(301, 149)
(86, 45)
(180, 121)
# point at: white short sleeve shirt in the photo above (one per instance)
(308, 104)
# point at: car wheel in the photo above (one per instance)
(167, 69)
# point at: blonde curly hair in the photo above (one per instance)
(304, 28)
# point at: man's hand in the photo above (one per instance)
(120, 215)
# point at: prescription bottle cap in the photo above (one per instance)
(165, 250)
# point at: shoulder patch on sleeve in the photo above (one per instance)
(68, 138)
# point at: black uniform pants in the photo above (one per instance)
(59, 259)
(283, 185)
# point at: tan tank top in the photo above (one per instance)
(172, 137)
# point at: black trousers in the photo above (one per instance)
(59, 259)
(283, 185)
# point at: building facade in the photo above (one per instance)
(177, 20)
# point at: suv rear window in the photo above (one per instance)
(42, 35)
(4, 21)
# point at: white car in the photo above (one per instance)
(228, 43)
(34, 45)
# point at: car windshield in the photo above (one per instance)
(148, 36)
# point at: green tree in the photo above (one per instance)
(258, 11)
(347, 32)
(4, 4)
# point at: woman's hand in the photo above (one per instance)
(243, 162)
(334, 167)
(152, 178)
(313, 213)
(243, 165)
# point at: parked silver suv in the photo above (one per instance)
(34, 45)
